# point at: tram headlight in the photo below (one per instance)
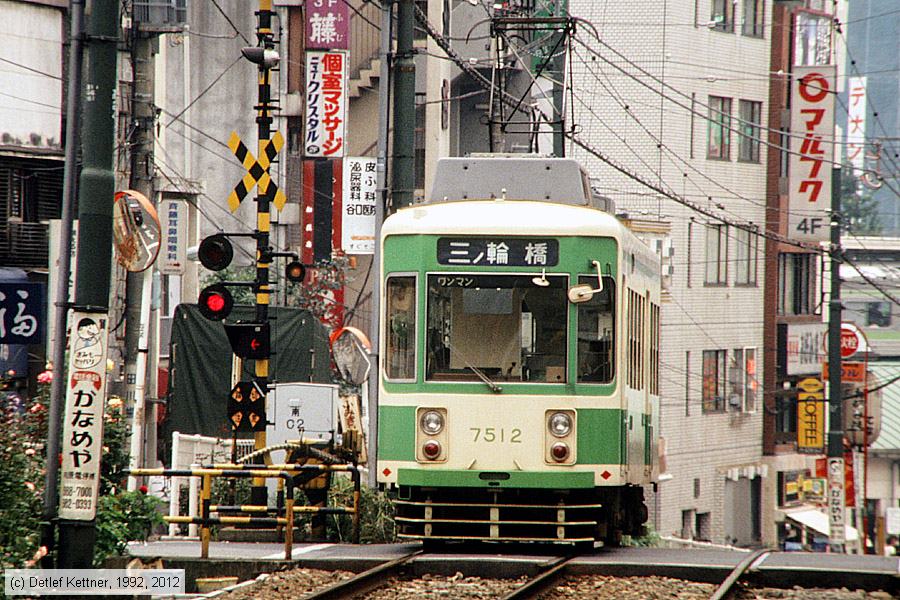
(431, 422)
(560, 424)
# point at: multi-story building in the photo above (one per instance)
(31, 144)
(677, 95)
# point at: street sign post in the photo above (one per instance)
(836, 519)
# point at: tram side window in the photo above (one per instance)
(400, 327)
(596, 333)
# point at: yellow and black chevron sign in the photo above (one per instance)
(257, 170)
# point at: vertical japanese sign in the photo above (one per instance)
(174, 217)
(810, 416)
(327, 24)
(82, 443)
(326, 104)
(812, 153)
(358, 220)
(836, 516)
(856, 122)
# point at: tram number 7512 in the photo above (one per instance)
(494, 434)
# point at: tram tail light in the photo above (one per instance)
(559, 451)
(431, 449)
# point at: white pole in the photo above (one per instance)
(137, 421)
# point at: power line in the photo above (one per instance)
(230, 22)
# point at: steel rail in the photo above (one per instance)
(727, 584)
(364, 582)
(554, 570)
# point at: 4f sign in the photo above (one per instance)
(812, 152)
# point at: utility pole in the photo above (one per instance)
(70, 175)
(138, 285)
(557, 73)
(404, 177)
(258, 493)
(93, 259)
(836, 493)
(384, 120)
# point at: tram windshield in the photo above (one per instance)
(507, 327)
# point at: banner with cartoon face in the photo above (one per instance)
(82, 442)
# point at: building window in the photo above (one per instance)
(796, 284)
(722, 15)
(750, 115)
(751, 380)
(704, 527)
(745, 257)
(736, 380)
(742, 381)
(812, 39)
(714, 381)
(719, 139)
(687, 270)
(687, 383)
(753, 18)
(716, 255)
(868, 313)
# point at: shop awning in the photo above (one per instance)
(817, 520)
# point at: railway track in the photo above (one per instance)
(366, 581)
(400, 572)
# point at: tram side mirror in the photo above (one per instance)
(580, 293)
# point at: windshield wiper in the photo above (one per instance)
(487, 381)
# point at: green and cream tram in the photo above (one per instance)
(518, 394)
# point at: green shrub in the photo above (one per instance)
(376, 514)
(124, 517)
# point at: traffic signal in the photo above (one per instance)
(215, 302)
(249, 340)
(295, 271)
(215, 252)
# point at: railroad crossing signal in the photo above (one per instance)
(257, 170)
(249, 340)
(247, 407)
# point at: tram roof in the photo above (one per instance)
(507, 217)
(514, 177)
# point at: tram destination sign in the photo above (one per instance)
(498, 251)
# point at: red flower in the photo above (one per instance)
(143, 489)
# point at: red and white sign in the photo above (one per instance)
(852, 340)
(812, 152)
(326, 104)
(856, 122)
(82, 443)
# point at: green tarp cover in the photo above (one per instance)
(200, 366)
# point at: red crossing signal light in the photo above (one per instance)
(215, 302)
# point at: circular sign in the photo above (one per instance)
(851, 340)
